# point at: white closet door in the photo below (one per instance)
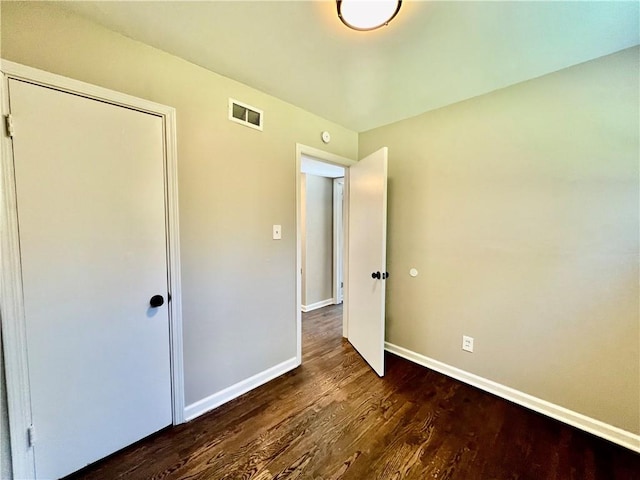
(91, 214)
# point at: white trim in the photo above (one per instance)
(338, 238)
(332, 158)
(596, 427)
(345, 254)
(12, 308)
(173, 264)
(234, 391)
(58, 82)
(12, 312)
(317, 305)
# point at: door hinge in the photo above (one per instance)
(31, 435)
(8, 121)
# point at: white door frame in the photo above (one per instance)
(331, 158)
(338, 234)
(12, 305)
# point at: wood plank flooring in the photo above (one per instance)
(334, 418)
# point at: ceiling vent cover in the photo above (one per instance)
(245, 114)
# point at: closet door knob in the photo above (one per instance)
(156, 301)
(375, 275)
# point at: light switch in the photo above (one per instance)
(277, 232)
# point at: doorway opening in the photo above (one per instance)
(321, 214)
(364, 271)
(322, 188)
(322, 194)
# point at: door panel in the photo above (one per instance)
(91, 214)
(367, 254)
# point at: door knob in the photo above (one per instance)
(156, 301)
(375, 275)
(385, 275)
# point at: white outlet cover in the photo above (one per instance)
(277, 232)
(467, 343)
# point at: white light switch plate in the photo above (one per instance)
(277, 232)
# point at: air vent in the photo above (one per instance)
(245, 114)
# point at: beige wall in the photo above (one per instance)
(317, 270)
(235, 183)
(520, 211)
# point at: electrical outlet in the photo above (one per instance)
(467, 343)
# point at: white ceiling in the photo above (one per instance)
(320, 169)
(433, 53)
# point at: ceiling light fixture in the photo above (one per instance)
(367, 14)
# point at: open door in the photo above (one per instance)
(367, 257)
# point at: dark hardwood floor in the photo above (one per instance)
(333, 418)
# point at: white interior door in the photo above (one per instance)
(367, 257)
(91, 214)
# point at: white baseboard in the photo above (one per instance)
(209, 403)
(315, 306)
(575, 419)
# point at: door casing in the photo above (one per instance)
(338, 239)
(12, 307)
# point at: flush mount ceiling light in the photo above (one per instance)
(367, 14)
